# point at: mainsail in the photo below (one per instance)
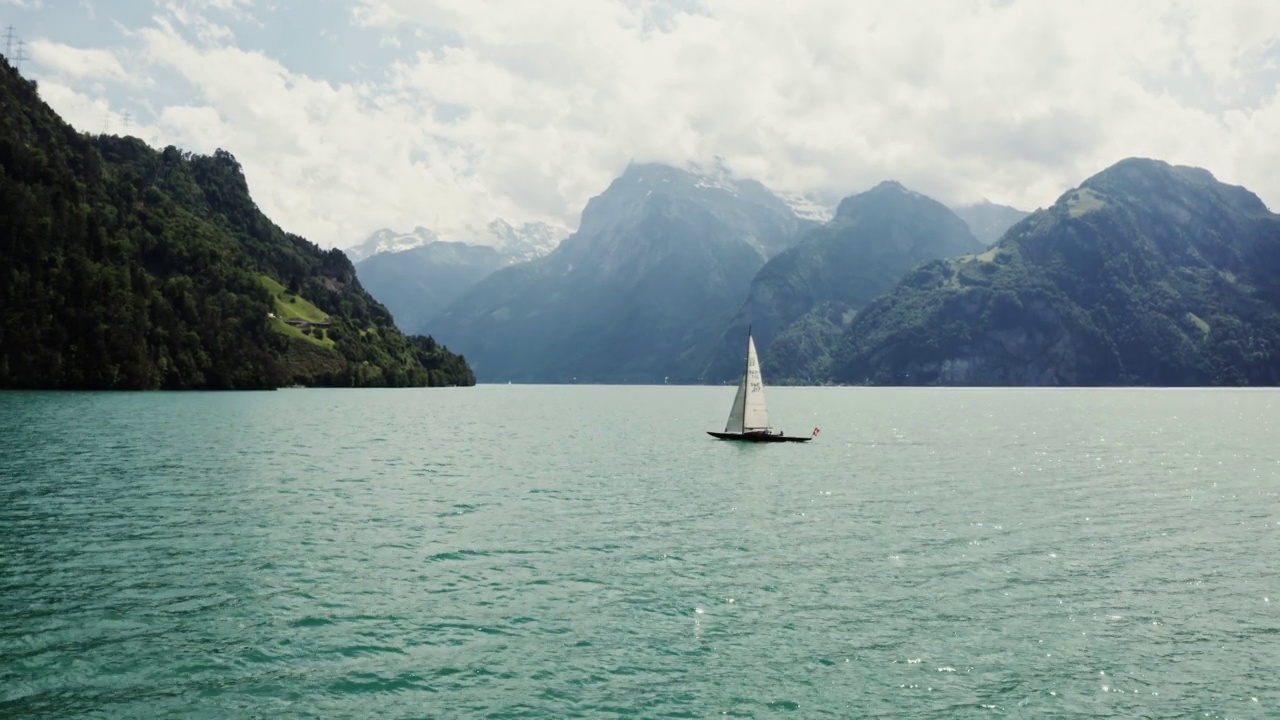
(748, 413)
(754, 414)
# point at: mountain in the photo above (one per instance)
(417, 274)
(800, 299)
(660, 261)
(529, 241)
(989, 221)
(390, 241)
(1146, 274)
(417, 284)
(129, 268)
(809, 207)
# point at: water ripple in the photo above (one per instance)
(936, 553)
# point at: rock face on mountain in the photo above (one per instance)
(1147, 274)
(417, 284)
(660, 261)
(125, 267)
(800, 299)
(989, 221)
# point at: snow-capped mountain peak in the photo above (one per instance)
(808, 208)
(387, 240)
(526, 242)
(530, 240)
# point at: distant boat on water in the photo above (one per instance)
(748, 416)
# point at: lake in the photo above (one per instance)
(589, 552)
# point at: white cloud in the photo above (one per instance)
(192, 9)
(194, 15)
(1015, 101)
(531, 108)
(95, 115)
(80, 63)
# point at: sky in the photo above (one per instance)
(358, 115)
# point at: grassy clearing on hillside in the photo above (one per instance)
(284, 328)
(990, 255)
(1199, 323)
(1084, 201)
(290, 306)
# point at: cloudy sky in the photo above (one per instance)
(351, 115)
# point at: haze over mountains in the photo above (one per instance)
(988, 220)
(526, 242)
(417, 284)
(418, 274)
(671, 267)
(659, 260)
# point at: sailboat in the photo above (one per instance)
(748, 416)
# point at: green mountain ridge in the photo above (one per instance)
(801, 299)
(124, 267)
(1147, 274)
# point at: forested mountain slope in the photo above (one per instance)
(1147, 274)
(126, 267)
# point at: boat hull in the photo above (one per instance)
(758, 437)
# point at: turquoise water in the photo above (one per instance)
(553, 552)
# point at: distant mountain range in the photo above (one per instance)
(417, 274)
(660, 261)
(529, 241)
(416, 284)
(390, 241)
(805, 295)
(1146, 274)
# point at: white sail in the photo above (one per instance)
(735, 411)
(748, 417)
(754, 414)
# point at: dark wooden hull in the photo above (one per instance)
(758, 437)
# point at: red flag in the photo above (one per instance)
(816, 431)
